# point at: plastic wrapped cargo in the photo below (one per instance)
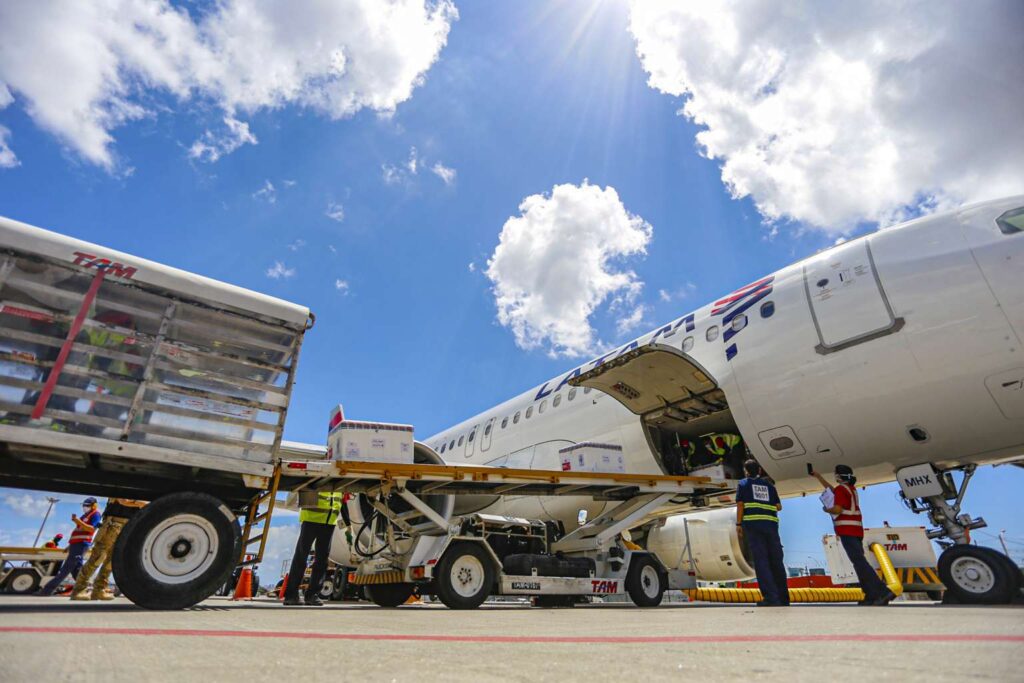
(99, 343)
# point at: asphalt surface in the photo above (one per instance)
(53, 639)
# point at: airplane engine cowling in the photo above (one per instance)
(717, 551)
(359, 510)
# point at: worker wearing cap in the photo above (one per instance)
(54, 543)
(115, 516)
(849, 527)
(757, 518)
(81, 539)
(316, 529)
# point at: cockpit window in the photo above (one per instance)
(1011, 221)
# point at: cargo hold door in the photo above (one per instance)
(657, 380)
(848, 303)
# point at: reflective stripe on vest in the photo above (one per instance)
(327, 510)
(763, 512)
(80, 535)
(850, 516)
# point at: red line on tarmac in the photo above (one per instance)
(837, 638)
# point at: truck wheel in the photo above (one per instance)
(389, 594)
(177, 551)
(645, 581)
(974, 574)
(327, 589)
(464, 577)
(22, 581)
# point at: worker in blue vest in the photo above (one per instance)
(316, 530)
(757, 516)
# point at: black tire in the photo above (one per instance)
(327, 588)
(177, 551)
(977, 575)
(22, 581)
(465, 576)
(340, 583)
(645, 581)
(255, 585)
(389, 594)
(934, 595)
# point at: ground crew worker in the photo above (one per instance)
(54, 543)
(79, 542)
(115, 516)
(53, 566)
(757, 508)
(849, 527)
(316, 528)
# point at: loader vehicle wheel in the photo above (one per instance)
(978, 575)
(645, 581)
(22, 581)
(177, 551)
(389, 594)
(464, 577)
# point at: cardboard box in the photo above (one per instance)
(592, 457)
(371, 442)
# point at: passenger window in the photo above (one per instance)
(451, 445)
(712, 333)
(687, 344)
(504, 422)
(572, 393)
(556, 400)
(487, 429)
(543, 406)
(767, 309)
(515, 420)
(472, 435)
(739, 322)
(529, 412)
(443, 446)
(1011, 221)
(460, 439)
(586, 390)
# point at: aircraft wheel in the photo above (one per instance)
(978, 575)
(22, 581)
(645, 581)
(464, 577)
(177, 551)
(389, 594)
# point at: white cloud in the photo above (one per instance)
(555, 264)
(630, 322)
(444, 173)
(289, 183)
(835, 114)
(26, 504)
(472, 267)
(390, 174)
(333, 249)
(297, 244)
(267, 193)
(664, 295)
(84, 68)
(341, 286)
(280, 548)
(7, 157)
(336, 212)
(677, 294)
(279, 271)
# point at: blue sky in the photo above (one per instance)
(513, 100)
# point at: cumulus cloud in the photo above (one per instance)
(341, 286)
(26, 504)
(336, 212)
(7, 157)
(557, 262)
(280, 547)
(842, 113)
(630, 321)
(297, 244)
(82, 69)
(394, 174)
(279, 271)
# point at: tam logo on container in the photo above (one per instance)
(111, 268)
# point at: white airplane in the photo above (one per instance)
(898, 353)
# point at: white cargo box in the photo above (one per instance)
(907, 546)
(592, 457)
(371, 442)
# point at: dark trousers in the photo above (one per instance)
(866, 576)
(766, 547)
(310, 533)
(72, 565)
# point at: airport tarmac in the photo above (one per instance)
(53, 639)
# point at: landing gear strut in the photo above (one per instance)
(971, 574)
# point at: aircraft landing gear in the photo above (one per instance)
(971, 574)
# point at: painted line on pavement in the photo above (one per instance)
(711, 639)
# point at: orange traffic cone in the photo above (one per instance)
(243, 591)
(284, 587)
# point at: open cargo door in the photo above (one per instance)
(657, 381)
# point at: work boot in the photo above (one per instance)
(765, 603)
(79, 595)
(314, 601)
(291, 602)
(865, 602)
(885, 599)
(103, 595)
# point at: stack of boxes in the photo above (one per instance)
(349, 440)
(592, 457)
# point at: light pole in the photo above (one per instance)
(1002, 541)
(45, 517)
